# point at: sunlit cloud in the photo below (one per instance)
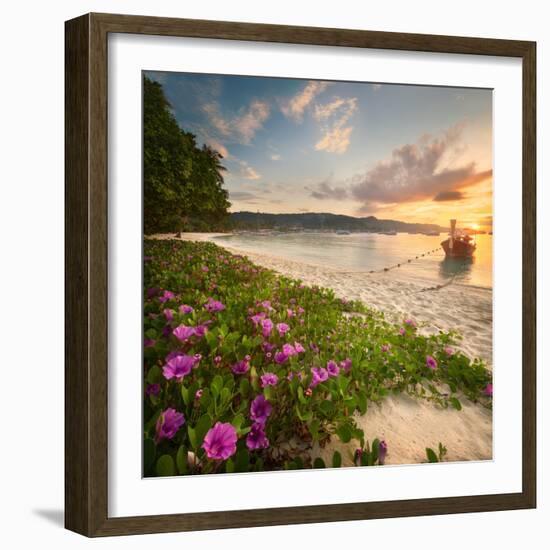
(294, 108)
(242, 127)
(334, 117)
(416, 171)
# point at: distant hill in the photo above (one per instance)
(320, 221)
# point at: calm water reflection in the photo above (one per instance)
(370, 251)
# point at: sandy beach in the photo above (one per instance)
(408, 425)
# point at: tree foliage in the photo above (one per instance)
(183, 183)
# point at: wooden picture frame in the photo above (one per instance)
(86, 282)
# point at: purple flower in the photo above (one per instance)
(410, 322)
(166, 296)
(267, 347)
(402, 331)
(431, 363)
(382, 452)
(289, 349)
(217, 359)
(186, 309)
(290, 313)
(267, 327)
(148, 343)
(269, 379)
(152, 389)
(200, 330)
(213, 306)
(281, 357)
(385, 348)
(319, 375)
(314, 347)
(257, 319)
(488, 391)
(256, 438)
(168, 423)
(152, 292)
(260, 409)
(178, 367)
(357, 457)
(169, 314)
(266, 304)
(241, 367)
(298, 347)
(283, 328)
(346, 364)
(220, 441)
(333, 369)
(183, 333)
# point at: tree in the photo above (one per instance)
(183, 183)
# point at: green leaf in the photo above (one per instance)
(154, 375)
(244, 387)
(361, 398)
(432, 457)
(181, 460)
(216, 386)
(344, 433)
(185, 395)
(319, 463)
(455, 403)
(336, 460)
(165, 466)
(203, 425)
(149, 454)
(242, 460)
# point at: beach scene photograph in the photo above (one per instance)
(317, 274)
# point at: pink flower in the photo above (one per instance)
(346, 364)
(166, 296)
(382, 452)
(308, 392)
(283, 328)
(168, 424)
(290, 313)
(198, 394)
(281, 357)
(169, 314)
(298, 347)
(205, 269)
(269, 379)
(289, 349)
(241, 367)
(186, 309)
(148, 343)
(410, 322)
(220, 441)
(260, 409)
(319, 375)
(217, 359)
(178, 367)
(267, 327)
(256, 438)
(213, 306)
(333, 369)
(257, 319)
(183, 333)
(402, 331)
(449, 351)
(385, 348)
(266, 304)
(431, 363)
(488, 391)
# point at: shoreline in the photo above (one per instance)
(408, 425)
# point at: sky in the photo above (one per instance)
(411, 153)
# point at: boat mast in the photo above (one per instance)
(453, 229)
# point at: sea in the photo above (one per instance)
(419, 256)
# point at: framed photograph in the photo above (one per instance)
(300, 275)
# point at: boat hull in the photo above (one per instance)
(460, 249)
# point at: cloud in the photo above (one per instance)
(449, 196)
(334, 117)
(295, 107)
(275, 157)
(243, 196)
(241, 127)
(325, 190)
(215, 144)
(415, 172)
(246, 171)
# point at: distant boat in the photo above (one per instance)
(459, 244)
(343, 232)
